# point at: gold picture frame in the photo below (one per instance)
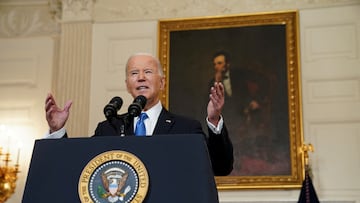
(267, 44)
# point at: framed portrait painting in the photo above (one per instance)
(256, 57)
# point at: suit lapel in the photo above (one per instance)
(164, 123)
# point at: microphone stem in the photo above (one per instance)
(122, 130)
(113, 124)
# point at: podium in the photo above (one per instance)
(178, 167)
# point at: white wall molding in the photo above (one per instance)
(26, 21)
(77, 10)
(130, 10)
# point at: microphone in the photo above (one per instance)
(137, 106)
(111, 109)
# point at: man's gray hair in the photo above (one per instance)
(158, 64)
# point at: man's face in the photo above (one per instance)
(219, 64)
(143, 78)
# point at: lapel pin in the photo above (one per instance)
(168, 121)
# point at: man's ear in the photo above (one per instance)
(162, 83)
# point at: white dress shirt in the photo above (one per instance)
(153, 115)
(227, 84)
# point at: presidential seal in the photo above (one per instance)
(115, 177)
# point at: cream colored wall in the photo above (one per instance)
(329, 62)
(330, 42)
(112, 44)
(25, 79)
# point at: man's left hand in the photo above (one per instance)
(216, 103)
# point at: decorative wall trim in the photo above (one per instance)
(130, 10)
(333, 90)
(19, 71)
(25, 21)
(77, 10)
(73, 74)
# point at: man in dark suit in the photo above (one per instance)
(246, 107)
(144, 76)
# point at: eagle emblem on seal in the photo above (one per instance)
(113, 185)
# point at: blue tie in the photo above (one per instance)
(140, 129)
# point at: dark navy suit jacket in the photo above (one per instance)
(219, 146)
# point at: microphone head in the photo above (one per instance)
(117, 102)
(111, 109)
(141, 100)
(137, 106)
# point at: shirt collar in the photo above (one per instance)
(227, 74)
(154, 112)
